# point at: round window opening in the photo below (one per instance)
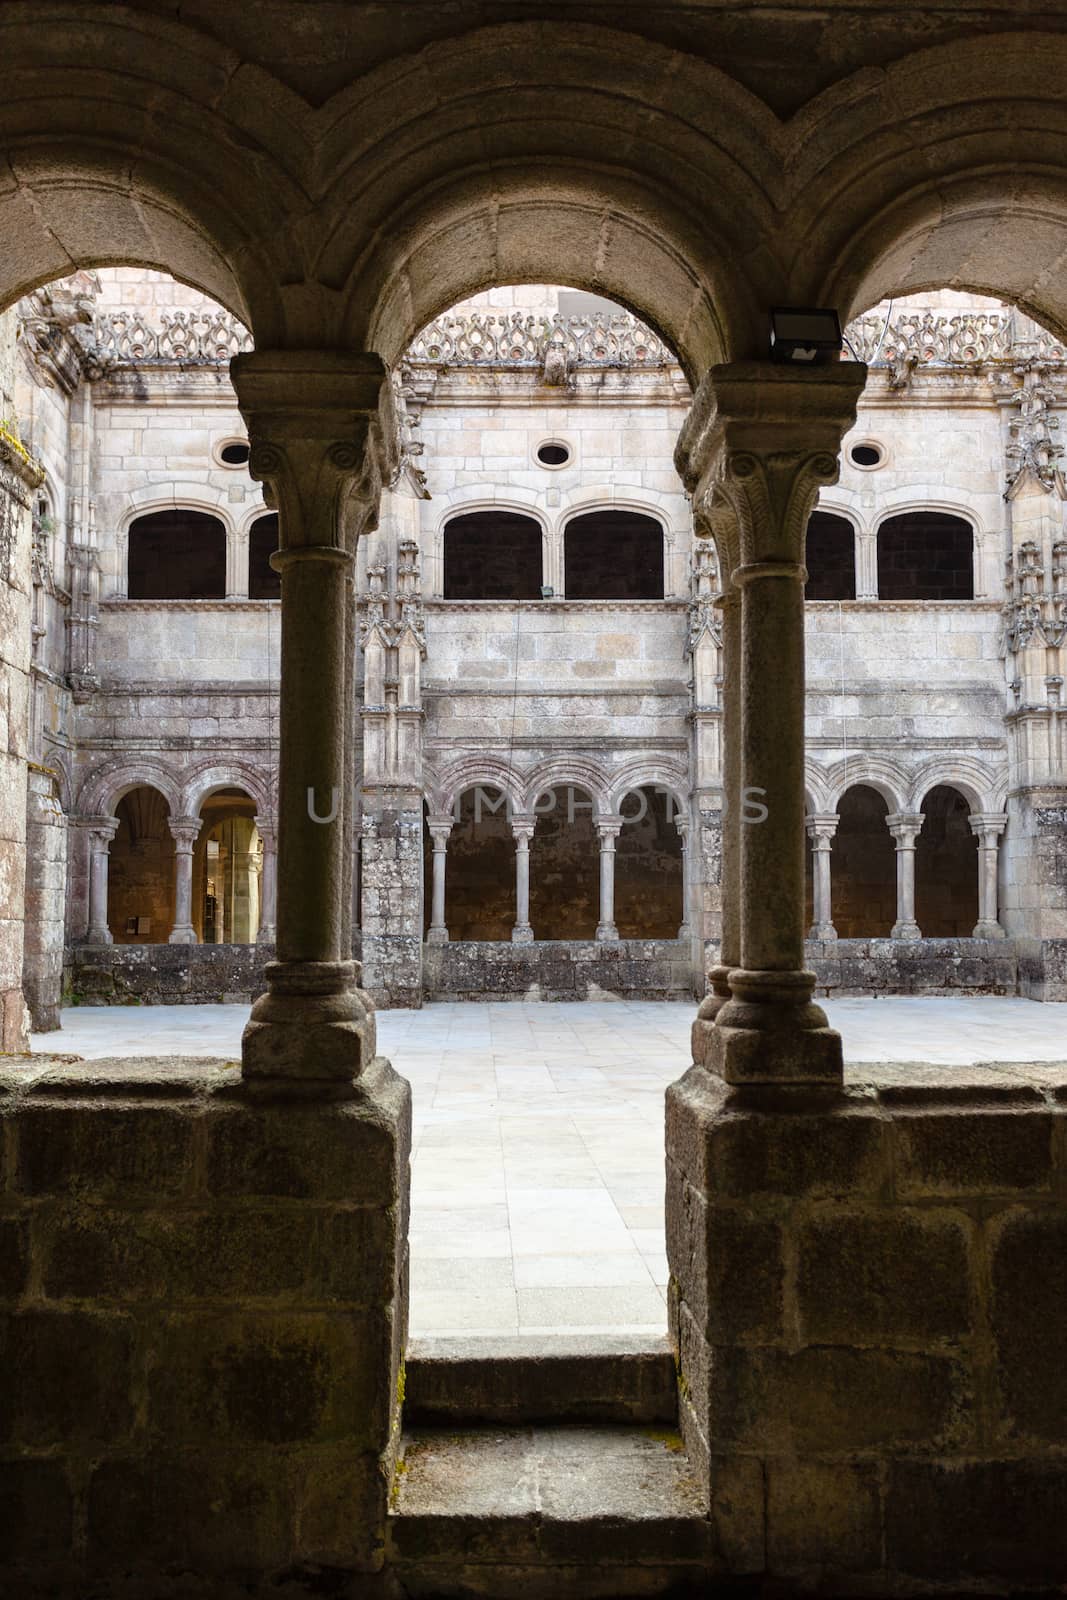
(553, 454)
(236, 453)
(865, 455)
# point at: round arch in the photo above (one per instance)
(886, 777)
(102, 790)
(981, 787)
(564, 771)
(205, 780)
(934, 186)
(563, 201)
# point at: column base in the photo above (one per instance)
(607, 933)
(313, 1027)
(184, 933)
(708, 1010)
(522, 933)
(988, 930)
(771, 1032)
(822, 930)
(267, 934)
(906, 930)
(437, 936)
(98, 936)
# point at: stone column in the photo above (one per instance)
(821, 830)
(905, 826)
(522, 829)
(608, 829)
(438, 931)
(101, 831)
(988, 827)
(767, 437)
(682, 824)
(185, 831)
(322, 440)
(269, 889)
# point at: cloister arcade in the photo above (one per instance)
(867, 1335)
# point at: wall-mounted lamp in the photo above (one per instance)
(547, 591)
(804, 333)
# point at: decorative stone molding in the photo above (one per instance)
(555, 344)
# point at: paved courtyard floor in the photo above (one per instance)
(537, 1176)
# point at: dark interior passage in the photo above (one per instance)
(492, 555)
(613, 555)
(863, 867)
(648, 867)
(479, 869)
(925, 555)
(263, 582)
(946, 867)
(140, 880)
(564, 866)
(177, 555)
(830, 558)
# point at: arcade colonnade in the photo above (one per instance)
(337, 197)
(760, 442)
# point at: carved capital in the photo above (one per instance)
(760, 441)
(101, 830)
(905, 826)
(184, 831)
(821, 828)
(323, 436)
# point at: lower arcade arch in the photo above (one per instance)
(141, 869)
(479, 867)
(227, 870)
(564, 856)
(649, 877)
(864, 866)
(946, 867)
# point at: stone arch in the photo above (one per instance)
(976, 782)
(817, 789)
(672, 776)
(568, 770)
(567, 206)
(204, 780)
(887, 777)
(102, 789)
(932, 185)
(171, 168)
(468, 772)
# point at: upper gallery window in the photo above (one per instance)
(925, 555)
(492, 555)
(177, 555)
(613, 555)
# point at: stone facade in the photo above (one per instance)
(160, 715)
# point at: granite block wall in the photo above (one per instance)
(202, 1318)
(634, 969)
(872, 1347)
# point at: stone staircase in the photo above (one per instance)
(545, 1468)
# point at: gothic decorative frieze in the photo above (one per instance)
(555, 344)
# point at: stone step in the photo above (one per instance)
(575, 1513)
(599, 1379)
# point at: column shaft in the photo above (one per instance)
(905, 828)
(438, 931)
(608, 832)
(185, 832)
(522, 932)
(269, 890)
(100, 838)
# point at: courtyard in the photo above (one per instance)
(537, 1172)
